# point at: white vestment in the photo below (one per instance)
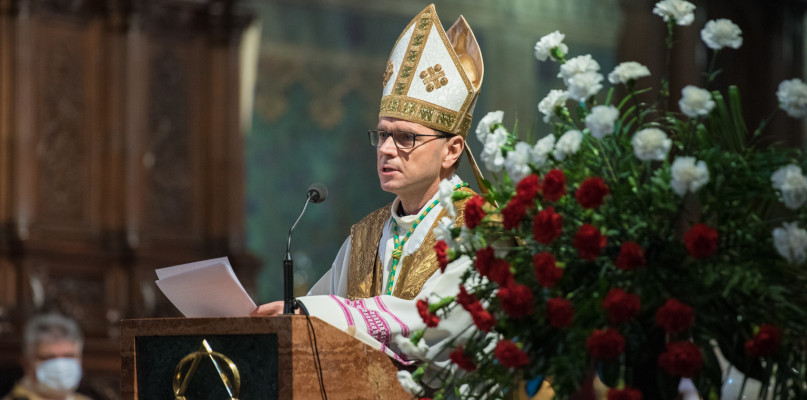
(378, 320)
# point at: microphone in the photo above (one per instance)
(317, 193)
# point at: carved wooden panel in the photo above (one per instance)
(76, 286)
(66, 140)
(62, 150)
(168, 141)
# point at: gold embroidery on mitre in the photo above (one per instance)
(424, 113)
(419, 37)
(387, 74)
(465, 59)
(434, 77)
(365, 273)
(419, 266)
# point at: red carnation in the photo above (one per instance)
(464, 298)
(621, 305)
(429, 319)
(499, 272)
(605, 344)
(554, 185)
(560, 312)
(765, 342)
(547, 225)
(489, 266)
(484, 259)
(474, 212)
(546, 270)
(441, 249)
(510, 355)
(627, 393)
(631, 256)
(513, 212)
(527, 189)
(459, 357)
(675, 316)
(515, 299)
(701, 241)
(588, 241)
(591, 192)
(681, 359)
(483, 319)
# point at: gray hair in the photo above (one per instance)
(49, 328)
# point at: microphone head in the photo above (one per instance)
(317, 192)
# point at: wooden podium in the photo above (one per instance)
(275, 356)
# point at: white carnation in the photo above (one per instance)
(792, 184)
(651, 144)
(444, 192)
(578, 65)
(601, 120)
(411, 350)
(443, 231)
(492, 153)
(688, 176)
(680, 10)
(791, 243)
(792, 96)
(469, 240)
(628, 71)
(696, 102)
(517, 162)
(553, 100)
(721, 33)
(582, 86)
(568, 144)
(409, 384)
(541, 151)
(543, 48)
(486, 123)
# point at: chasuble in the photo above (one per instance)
(355, 294)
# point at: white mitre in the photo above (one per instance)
(433, 76)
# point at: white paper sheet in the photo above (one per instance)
(205, 289)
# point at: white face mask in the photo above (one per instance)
(58, 376)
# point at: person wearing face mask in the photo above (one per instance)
(51, 360)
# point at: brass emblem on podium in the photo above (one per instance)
(186, 369)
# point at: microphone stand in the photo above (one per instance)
(288, 266)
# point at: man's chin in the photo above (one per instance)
(389, 186)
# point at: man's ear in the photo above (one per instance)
(454, 148)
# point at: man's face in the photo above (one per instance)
(50, 350)
(409, 172)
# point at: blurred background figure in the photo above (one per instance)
(51, 360)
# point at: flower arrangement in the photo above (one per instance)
(636, 244)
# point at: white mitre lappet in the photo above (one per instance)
(433, 76)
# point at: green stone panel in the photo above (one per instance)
(255, 356)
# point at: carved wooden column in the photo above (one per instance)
(8, 273)
(185, 159)
(121, 151)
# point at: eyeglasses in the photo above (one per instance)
(402, 140)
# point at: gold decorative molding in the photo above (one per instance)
(326, 74)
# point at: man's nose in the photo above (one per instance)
(388, 146)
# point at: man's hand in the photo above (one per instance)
(270, 309)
